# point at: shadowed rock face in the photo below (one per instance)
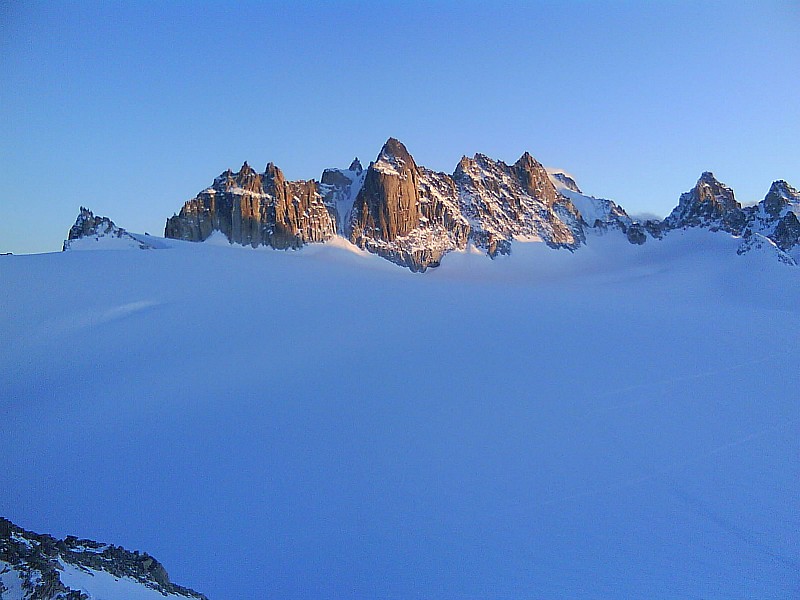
(775, 219)
(781, 198)
(35, 560)
(255, 209)
(787, 232)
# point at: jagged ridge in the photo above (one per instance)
(36, 561)
(413, 216)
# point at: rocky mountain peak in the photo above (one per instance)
(567, 181)
(526, 161)
(780, 196)
(394, 153)
(355, 166)
(709, 203)
(90, 228)
(710, 190)
(707, 177)
(387, 206)
(463, 165)
(248, 179)
(535, 180)
(273, 174)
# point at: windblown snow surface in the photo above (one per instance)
(618, 422)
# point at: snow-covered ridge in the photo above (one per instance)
(40, 567)
(93, 233)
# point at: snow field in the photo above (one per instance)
(618, 422)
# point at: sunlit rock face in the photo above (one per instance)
(406, 213)
(256, 209)
(504, 202)
(708, 204)
(414, 216)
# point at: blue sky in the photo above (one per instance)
(132, 108)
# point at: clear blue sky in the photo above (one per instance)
(132, 108)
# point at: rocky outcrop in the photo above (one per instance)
(256, 209)
(770, 226)
(708, 204)
(505, 202)
(775, 219)
(90, 231)
(406, 213)
(32, 564)
(387, 206)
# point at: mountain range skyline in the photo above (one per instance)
(128, 108)
(414, 216)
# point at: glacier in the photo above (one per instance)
(618, 422)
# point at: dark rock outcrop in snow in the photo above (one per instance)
(34, 563)
(774, 222)
(100, 229)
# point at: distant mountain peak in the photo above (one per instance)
(355, 166)
(566, 181)
(527, 161)
(89, 230)
(395, 154)
(710, 204)
(707, 177)
(781, 196)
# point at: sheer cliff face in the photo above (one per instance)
(413, 216)
(257, 210)
(387, 207)
(405, 213)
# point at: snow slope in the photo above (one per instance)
(96, 584)
(617, 422)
